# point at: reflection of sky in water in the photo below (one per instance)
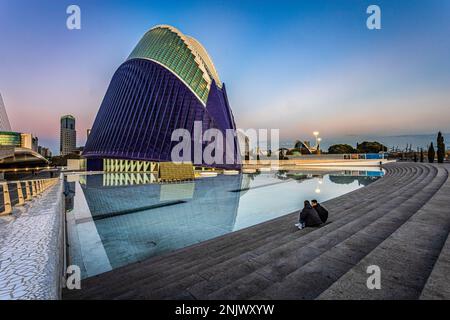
(112, 223)
(266, 203)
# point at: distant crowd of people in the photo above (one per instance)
(312, 215)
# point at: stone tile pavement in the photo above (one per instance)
(31, 251)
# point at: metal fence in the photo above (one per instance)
(347, 156)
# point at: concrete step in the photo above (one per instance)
(176, 273)
(406, 258)
(264, 256)
(243, 265)
(438, 284)
(265, 228)
(279, 271)
(272, 250)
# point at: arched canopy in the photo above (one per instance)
(21, 158)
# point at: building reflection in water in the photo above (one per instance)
(136, 219)
(128, 217)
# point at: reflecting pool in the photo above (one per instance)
(114, 219)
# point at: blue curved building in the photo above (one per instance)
(167, 83)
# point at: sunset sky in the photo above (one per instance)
(294, 65)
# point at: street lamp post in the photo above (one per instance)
(318, 145)
(316, 134)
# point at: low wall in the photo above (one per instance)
(32, 248)
(315, 162)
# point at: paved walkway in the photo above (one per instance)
(30, 248)
(400, 223)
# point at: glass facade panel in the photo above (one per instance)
(10, 139)
(166, 46)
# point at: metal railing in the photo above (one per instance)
(346, 156)
(17, 193)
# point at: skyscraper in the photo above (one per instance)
(4, 121)
(68, 137)
(168, 82)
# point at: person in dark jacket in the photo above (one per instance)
(309, 217)
(323, 213)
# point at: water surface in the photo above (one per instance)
(119, 218)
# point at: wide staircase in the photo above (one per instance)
(400, 223)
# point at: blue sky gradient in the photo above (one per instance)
(294, 65)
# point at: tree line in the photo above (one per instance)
(364, 147)
(440, 150)
(376, 147)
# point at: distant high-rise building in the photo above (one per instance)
(68, 138)
(35, 144)
(4, 121)
(45, 152)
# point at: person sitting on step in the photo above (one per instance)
(308, 217)
(323, 213)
